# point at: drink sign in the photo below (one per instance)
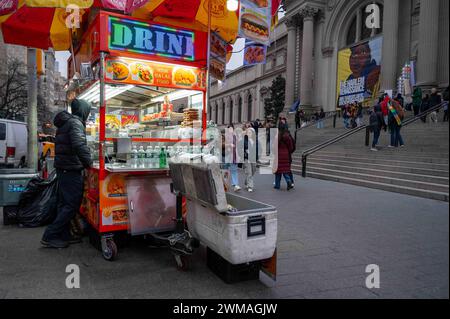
(150, 39)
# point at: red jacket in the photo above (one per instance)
(384, 106)
(285, 147)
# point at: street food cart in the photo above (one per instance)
(147, 83)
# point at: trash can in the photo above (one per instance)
(12, 184)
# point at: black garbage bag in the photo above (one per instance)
(37, 203)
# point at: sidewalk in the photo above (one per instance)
(328, 234)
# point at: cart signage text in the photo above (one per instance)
(150, 39)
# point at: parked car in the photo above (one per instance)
(13, 143)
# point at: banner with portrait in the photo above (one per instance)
(359, 68)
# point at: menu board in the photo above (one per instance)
(131, 71)
(254, 20)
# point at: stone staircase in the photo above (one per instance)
(421, 168)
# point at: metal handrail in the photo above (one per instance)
(344, 135)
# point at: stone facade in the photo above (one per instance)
(241, 97)
(412, 30)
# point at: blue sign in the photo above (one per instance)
(144, 38)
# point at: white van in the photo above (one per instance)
(13, 143)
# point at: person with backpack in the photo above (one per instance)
(395, 118)
(284, 157)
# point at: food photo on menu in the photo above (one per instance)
(254, 25)
(254, 53)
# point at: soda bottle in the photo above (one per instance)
(162, 158)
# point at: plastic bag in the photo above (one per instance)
(37, 203)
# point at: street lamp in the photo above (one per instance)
(232, 5)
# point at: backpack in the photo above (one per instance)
(398, 108)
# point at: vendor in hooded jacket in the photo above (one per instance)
(72, 156)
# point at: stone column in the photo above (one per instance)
(306, 87)
(292, 25)
(428, 43)
(390, 44)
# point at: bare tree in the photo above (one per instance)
(13, 90)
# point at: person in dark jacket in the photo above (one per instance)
(417, 100)
(72, 156)
(395, 119)
(376, 124)
(445, 97)
(424, 107)
(285, 148)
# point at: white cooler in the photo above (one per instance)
(245, 235)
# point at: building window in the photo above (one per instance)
(249, 109)
(358, 33)
(240, 110)
(217, 114)
(223, 113)
(231, 112)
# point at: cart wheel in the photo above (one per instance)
(110, 250)
(182, 262)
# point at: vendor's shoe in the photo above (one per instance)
(237, 188)
(54, 244)
(75, 240)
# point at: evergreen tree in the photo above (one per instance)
(274, 104)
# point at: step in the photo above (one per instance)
(383, 186)
(388, 154)
(383, 166)
(423, 163)
(401, 154)
(388, 172)
(381, 179)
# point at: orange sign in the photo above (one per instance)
(130, 71)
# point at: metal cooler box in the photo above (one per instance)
(244, 235)
(12, 184)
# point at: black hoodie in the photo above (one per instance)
(71, 150)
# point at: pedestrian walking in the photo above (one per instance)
(396, 115)
(298, 122)
(249, 164)
(231, 159)
(376, 124)
(285, 149)
(445, 97)
(384, 109)
(417, 100)
(435, 99)
(320, 119)
(424, 107)
(72, 156)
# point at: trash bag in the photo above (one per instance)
(37, 203)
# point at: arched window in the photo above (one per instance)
(240, 110)
(249, 109)
(357, 33)
(223, 113)
(231, 111)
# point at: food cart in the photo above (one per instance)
(147, 83)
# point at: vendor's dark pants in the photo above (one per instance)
(70, 194)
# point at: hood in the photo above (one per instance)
(61, 118)
(81, 108)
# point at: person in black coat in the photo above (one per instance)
(72, 156)
(424, 107)
(376, 123)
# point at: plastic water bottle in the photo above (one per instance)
(134, 156)
(156, 152)
(162, 158)
(170, 153)
(141, 157)
(149, 157)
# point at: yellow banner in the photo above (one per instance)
(59, 3)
